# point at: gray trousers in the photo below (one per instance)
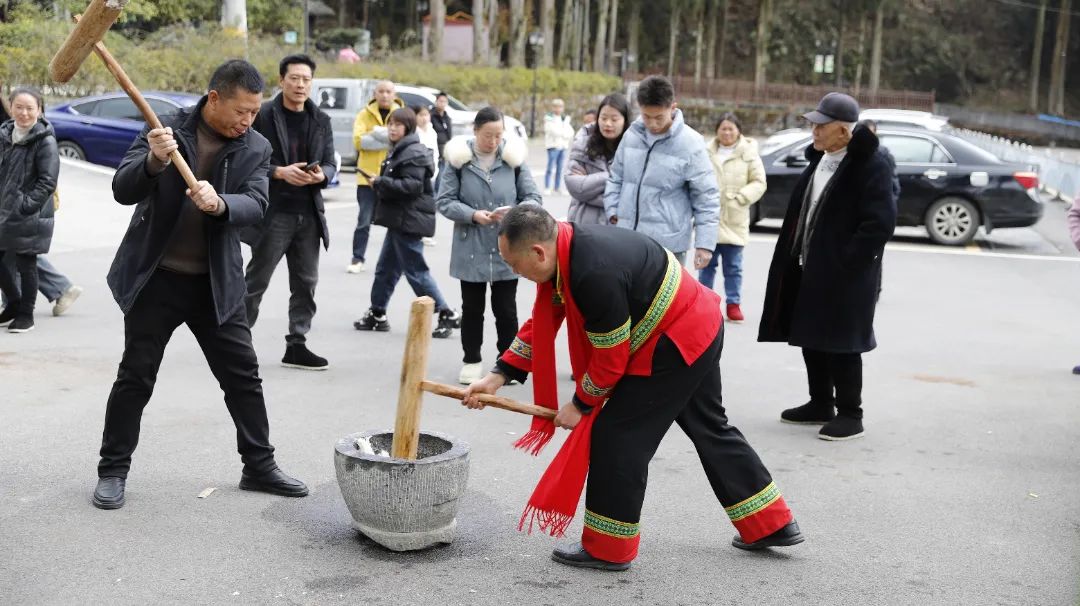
(297, 238)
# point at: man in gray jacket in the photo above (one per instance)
(661, 182)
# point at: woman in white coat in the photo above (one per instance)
(740, 176)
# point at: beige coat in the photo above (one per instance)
(741, 179)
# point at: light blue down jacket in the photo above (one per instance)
(665, 190)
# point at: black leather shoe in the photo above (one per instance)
(785, 537)
(275, 482)
(109, 493)
(575, 555)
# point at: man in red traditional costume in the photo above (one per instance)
(645, 341)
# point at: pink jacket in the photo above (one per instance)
(1074, 222)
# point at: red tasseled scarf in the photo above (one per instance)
(554, 501)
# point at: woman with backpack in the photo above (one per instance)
(29, 165)
(405, 207)
(483, 178)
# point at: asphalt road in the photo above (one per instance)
(964, 490)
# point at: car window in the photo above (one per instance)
(161, 107)
(909, 149)
(411, 99)
(939, 156)
(85, 109)
(120, 108)
(331, 97)
(455, 104)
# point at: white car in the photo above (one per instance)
(905, 118)
(461, 117)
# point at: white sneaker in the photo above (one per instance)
(547, 192)
(64, 302)
(470, 373)
(428, 241)
(355, 268)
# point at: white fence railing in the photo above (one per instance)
(1058, 175)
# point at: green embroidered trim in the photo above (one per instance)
(590, 388)
(521, 348)
(609, 527)
(608, 340)
(660, 304)
(754, 504)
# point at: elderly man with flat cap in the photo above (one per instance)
(826, 269)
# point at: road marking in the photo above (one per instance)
(93, 168)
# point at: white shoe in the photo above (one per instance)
(547, 192)
(428, 241)
(64, 302)
(471, 373)
(355, 268)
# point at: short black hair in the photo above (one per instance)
(528, 224)
(485, 115)
(655, 91)
(404, 116)
(236, 74)
(442, 94)
(294, 60)
(728, 117)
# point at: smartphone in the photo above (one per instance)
(311, 166)
(365, 173)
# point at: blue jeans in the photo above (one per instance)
(554, 165)
(403, 254)
(732, 268)
(51, 282)
(365, 199)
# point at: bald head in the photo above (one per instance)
(384, 94)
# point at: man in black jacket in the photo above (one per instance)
(444, 130)
(300, 135)
(826, 269)
(179, 263)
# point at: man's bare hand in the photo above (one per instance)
(206, 198)
(317, 175)
(294, 174)
(568, 417)
(162, 143)
(489, 385)
(702, 256)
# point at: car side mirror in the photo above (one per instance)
(796, 160)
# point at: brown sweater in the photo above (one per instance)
(189, 247)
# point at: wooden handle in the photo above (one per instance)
(144, 108)
(458, 393)
(413, 368)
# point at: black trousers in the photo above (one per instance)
(641, 410)
(503, 305)
(296, 237)
(835, 379)
(22, 294)
(167, 301)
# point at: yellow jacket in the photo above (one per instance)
(371, 146)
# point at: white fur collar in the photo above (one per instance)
(458, 151)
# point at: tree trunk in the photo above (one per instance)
(585, 62)
(761, 52)
(566, 33)
(861, 54)
(613, 36)
(875, 53)
(838, 62)
(722, 42)
(480, 32)
(518, 27)
(495, 37)
(547, 26)
(436, 28)
(1056, 101)
(1036, 58)
(673, 38)
(699, 38)
(633, 36)
(234, 16)
(710, 38)
(599, 61)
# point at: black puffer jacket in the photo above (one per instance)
(405, 199)
(28, 172)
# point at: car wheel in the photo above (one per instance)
(71, 150)
(952, 221)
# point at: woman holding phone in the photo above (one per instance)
(483, 178)
(405, 207)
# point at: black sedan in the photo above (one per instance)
(946, 184)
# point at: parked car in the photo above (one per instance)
(100, 129)
(946, 184)
(904, 118)
(343, 98)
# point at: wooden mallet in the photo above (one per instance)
(89, 30)
(413, 385)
